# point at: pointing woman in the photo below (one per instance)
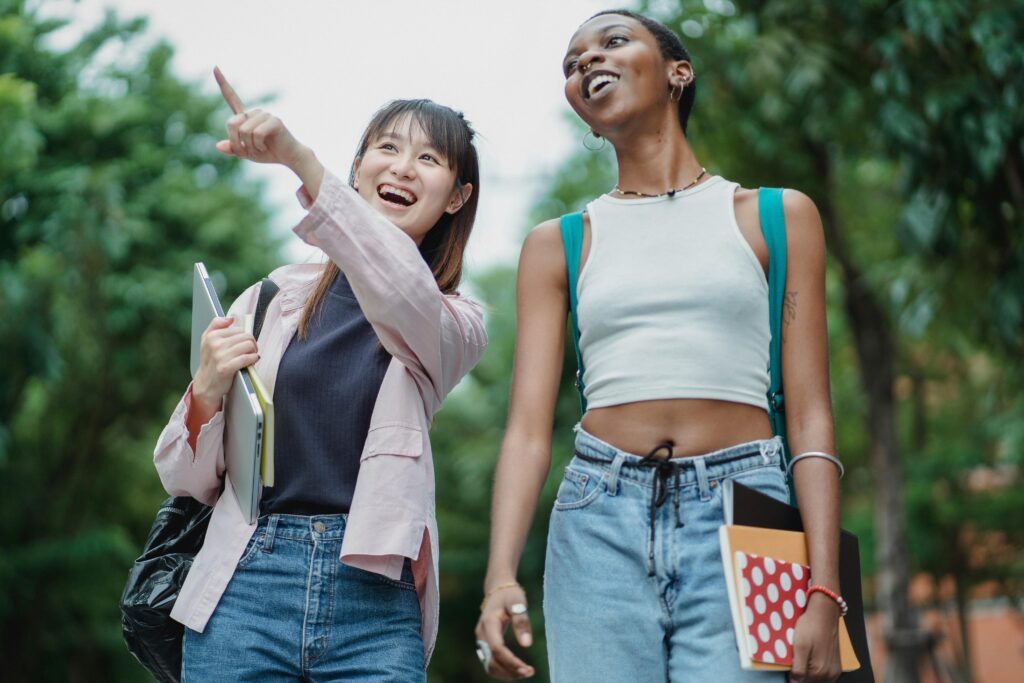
(337, 580)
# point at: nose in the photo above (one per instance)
(587, 61)
(403, 167)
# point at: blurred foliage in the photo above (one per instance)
(110, 189)
(903, 119)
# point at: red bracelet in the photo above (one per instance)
(838, 599)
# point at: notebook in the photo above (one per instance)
(743, 505)
(766, 576)
(243, 416)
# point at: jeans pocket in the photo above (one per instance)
(407, 581)
(577, 490)
(252, 549)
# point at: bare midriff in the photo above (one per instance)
(691, 426)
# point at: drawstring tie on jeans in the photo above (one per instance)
(664, 469)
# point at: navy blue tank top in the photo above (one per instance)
(324, 395)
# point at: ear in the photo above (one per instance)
(680, 74)
(355, 173)
(460, 195)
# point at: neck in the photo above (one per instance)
(655, 158)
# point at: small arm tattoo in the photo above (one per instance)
(788, 311)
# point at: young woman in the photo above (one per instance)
(337, 580)
(673, 313)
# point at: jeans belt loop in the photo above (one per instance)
(702, 477)
(612, 476)
(268, 540)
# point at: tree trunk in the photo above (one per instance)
(876, 354)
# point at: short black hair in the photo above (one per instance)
(671, 47)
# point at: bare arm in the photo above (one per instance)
(810, 428)
(541, 310)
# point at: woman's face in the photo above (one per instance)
(613, 71)
(404, 177)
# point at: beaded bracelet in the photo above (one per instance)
(816, 454)
(500, 586)
(838, 599)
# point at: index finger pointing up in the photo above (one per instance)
(230, 96)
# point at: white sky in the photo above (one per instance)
(331, 64)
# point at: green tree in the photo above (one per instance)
(109, 190)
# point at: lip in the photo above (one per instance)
(585, 84)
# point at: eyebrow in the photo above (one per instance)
(605, 30)
(401, 138)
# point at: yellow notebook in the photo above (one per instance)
(266, 399)
(766, 575)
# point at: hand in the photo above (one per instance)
(256, 135)
(494, 620)
(223, 351)
(816, 643)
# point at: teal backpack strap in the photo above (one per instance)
(773, 225)
(572, 241)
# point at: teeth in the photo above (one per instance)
(404, 194)
(598, 80)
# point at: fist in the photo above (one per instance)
(223, 351)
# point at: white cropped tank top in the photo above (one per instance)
(672, 301)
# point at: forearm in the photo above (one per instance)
(816, 481)
(309, 170)
(522, 469)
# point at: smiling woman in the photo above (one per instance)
(671, 301)
(359, 354)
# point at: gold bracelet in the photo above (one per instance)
(500, 586)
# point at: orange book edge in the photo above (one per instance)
(779, 544)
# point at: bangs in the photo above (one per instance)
(444, 127)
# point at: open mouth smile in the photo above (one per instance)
(597, 81)
(396, 196)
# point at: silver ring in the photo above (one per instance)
(483, 653)
(516, 609)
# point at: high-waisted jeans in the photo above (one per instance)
(293, 611)
(633, 583)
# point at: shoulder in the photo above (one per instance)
(543, 254)
(804, 230)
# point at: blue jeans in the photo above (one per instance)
(292, 611)
(633, 583)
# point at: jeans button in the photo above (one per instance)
(319, 527)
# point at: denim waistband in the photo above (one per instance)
(666, 475)
(303, 527)
(720, 463)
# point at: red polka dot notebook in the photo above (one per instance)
(774, 596)
(767, 576)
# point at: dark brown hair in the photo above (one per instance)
(444, 246)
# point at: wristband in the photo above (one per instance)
(838, 599)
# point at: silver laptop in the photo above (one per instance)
(243, 418)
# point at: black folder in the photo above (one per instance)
(752, 508)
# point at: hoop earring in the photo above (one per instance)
(672, 93)
(594, 148)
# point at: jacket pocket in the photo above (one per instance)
(394, 438)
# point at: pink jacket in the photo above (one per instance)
(434, 340)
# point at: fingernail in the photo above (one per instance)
(526, 640)
(524, 671)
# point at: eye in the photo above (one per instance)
(616, 40)
(387, 146)
(430, 157)
(570, 66)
